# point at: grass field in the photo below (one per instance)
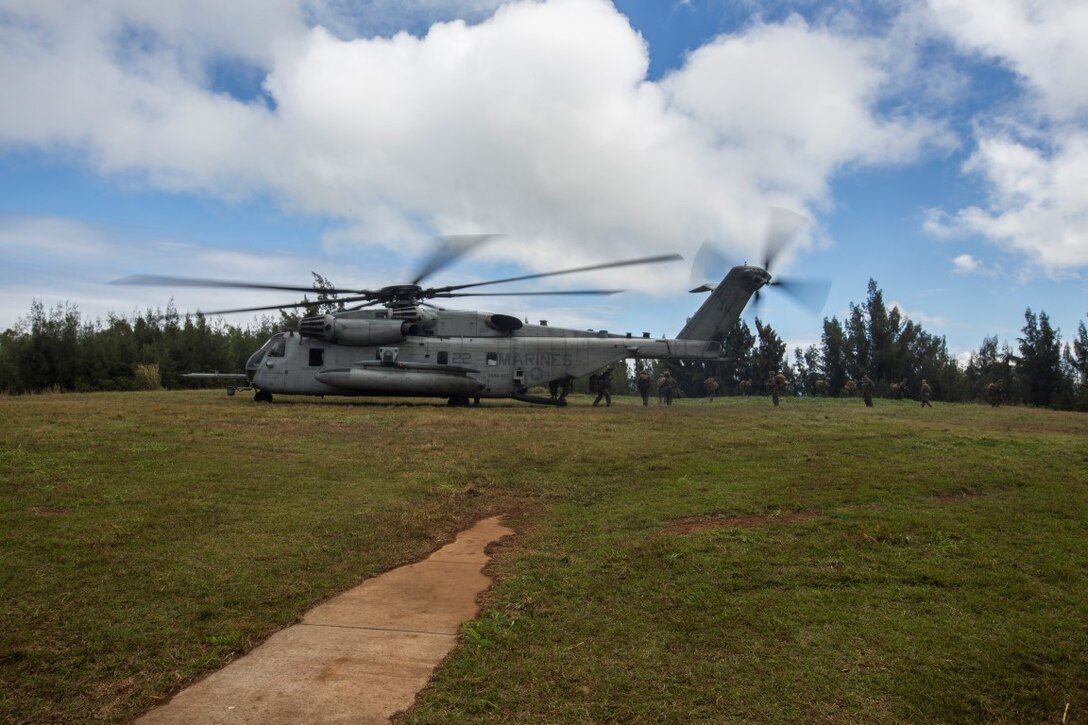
(725, 562)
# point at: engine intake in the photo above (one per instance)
(356, 332)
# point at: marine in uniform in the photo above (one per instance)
(604, 387)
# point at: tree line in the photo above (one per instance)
(56, 349)
(877, 341)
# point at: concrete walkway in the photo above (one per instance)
(358, 658)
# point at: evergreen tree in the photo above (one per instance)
(836, 355)
(327, 302)
(858, 346)
(808, 368)
(1039, 367)
(737, 350)
(1077, 360)
(769, 356)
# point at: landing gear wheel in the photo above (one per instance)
(457, 401)
(231, 390)
(262, 396)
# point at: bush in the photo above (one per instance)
(147, 377)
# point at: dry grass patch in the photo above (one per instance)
(746, 521)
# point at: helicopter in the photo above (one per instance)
(395, 342)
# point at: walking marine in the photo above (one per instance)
(776, 383)
(604, 387)
(645, 382)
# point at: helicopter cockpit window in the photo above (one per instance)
(279, 348)
(492, 358)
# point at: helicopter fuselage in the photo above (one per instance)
(448, 353)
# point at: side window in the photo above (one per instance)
(443, 357)
(279, 348)
(492, 358)
(317, 357)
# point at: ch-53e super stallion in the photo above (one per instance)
(396, 343)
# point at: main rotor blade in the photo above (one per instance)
(289, 305)
(155, 280)
(782, 226)
(607, 265)
(526, 294)
(452, 248)
(810, 293)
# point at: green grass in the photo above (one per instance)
(940, 573)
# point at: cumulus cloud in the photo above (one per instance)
(965, 264)
(1033, 159)
(970, 265)
(533, 118)
(1038, 199)
(922, 318)
(1042, 42)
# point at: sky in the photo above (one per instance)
(939, 147)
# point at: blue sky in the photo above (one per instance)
(939, 147)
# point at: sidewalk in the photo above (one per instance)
(359, 657)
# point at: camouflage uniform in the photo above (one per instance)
(926, 392)
(995, 393)
(711, 385)
(666, 387)
(645, 382)
(867, 391)
(776, 383)
(604, 387)
(745, 388)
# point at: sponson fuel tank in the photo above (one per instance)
(396, 380)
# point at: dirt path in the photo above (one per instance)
(357, 658)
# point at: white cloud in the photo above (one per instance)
(1033, 159)
(538, 121)
(1038, 199)
(40, 254)
(970, 265)
(926, 320)
(1043, 42)
(965, 264)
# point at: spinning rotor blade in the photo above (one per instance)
(155, 280)
(289, 305)
(810, 293)
(781, 228)
(452, 248)
(710, 265)
(527, 294)
(607, 265)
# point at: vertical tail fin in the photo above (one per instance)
(717, 315)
